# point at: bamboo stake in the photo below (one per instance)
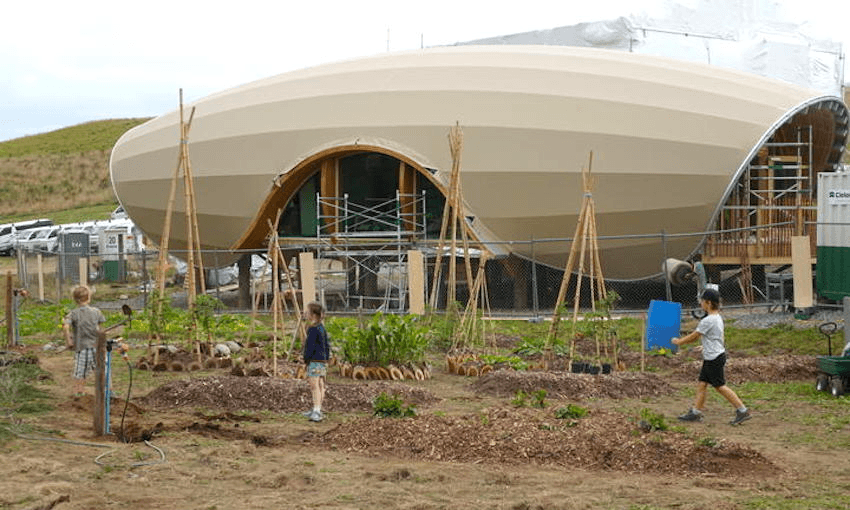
(451, 211)
(585, 238)
(166, 230)
(193, 211)
(275, 299)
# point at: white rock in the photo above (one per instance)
(222, 350)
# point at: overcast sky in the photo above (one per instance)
(68, 62)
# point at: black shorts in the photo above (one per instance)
(712, 371)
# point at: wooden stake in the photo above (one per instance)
(452, 211)
(10, 320)
(586, 239)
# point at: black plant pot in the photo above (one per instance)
(606, 368)
(592, 369)
(577, 367)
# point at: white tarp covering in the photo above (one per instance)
(740, 34)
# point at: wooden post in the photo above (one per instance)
(308, 277)
(801, 269)
(40, 267)
(415, 281)
(100, 385)
(10, 321)
(84, 271)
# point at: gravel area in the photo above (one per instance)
(762, 320)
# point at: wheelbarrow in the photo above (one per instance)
(833, 371)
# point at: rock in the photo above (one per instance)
(233, 346)
(222, 350)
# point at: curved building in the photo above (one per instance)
(670, 141)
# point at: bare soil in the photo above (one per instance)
(241, 442)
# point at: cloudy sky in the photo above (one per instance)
(64, 63)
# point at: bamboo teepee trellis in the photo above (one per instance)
(193, 240)
(279, 265)
(452, 211)
(585, 239)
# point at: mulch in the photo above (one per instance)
(233, 393)
(603, 440)
(569, 386)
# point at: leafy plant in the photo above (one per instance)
(571, 411)
(387, 406)
(539, 399)
(652, 420)
(514, 362)
(708, 441)
(520, 399)
(386, 339)
(205, 310)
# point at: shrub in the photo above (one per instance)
(652, 420)
(571, 411)
(387, 406)
(386, 339)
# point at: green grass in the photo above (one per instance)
(90, 136)
(780, 339)
(831, 493)
(19, 397)
(77, 214)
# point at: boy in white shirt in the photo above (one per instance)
(710, 331)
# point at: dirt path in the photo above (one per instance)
(468, 448)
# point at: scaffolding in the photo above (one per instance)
(361, 250)
(772, 201)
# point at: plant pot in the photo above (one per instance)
(606, 368)
(577, 367)
(593, 369)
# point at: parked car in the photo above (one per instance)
(119, 213)
(41, 239)
(10, 233)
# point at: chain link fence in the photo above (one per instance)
(522, 283)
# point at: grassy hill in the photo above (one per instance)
(66, 169)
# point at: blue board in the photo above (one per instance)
(663, 323)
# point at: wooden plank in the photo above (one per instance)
(416, 281)
(307, 269)
(407, 189)
(84, 271)
(328, 188)
(801, 268)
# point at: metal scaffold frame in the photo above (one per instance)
(776, 193)
(371, 242)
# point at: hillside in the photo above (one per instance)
(63, 169)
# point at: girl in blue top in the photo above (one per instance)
(710, 331)
(316, 355)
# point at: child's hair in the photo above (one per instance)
(712, 297)
(81, 294)
(315, 308)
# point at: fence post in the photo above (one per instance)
(145, 278)
(535, 303)
(664, 265)
(40, 264)
(9, 317)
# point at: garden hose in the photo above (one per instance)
(127, 400)
(135, 464)
(56, 439)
